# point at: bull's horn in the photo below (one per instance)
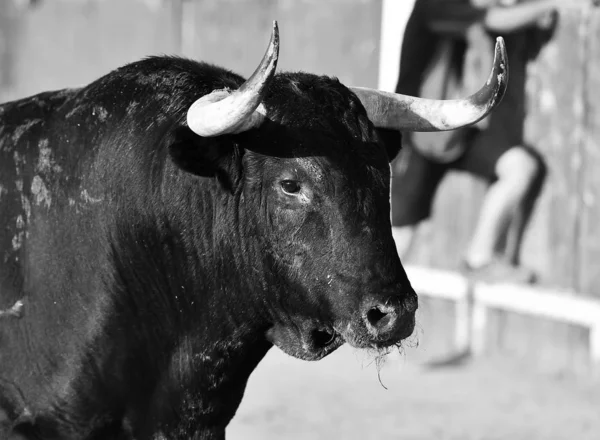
(224, 111)
(408, 113)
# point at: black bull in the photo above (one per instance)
(145, 269)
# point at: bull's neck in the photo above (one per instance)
(227, 257)
(203, 257)
(185, 283)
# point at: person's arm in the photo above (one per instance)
(454, 17)
(450, 18)
(505, 19)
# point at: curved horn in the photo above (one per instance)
(224, 111)
(408, 113)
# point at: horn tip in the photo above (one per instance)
(500, 52)
(275, 32)
(275, 39)
(499, 74)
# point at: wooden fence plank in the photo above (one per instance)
(9, 28)
(71, 42)
(338, 38)
(554, 125)
(589, 272)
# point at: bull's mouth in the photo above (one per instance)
(309, 341)
(320, 341)
(312, 341)
(324, 337)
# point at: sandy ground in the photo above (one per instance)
(340, 397)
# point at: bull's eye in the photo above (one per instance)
(291, 187)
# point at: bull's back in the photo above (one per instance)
(28, 173)
(40, 155)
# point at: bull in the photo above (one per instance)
(164, 226)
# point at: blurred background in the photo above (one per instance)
(506, 362)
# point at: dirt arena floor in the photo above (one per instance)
(341, 397)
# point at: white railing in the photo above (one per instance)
(473, 300)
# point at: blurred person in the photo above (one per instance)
(446, 51)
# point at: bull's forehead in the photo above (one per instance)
(311, 167)
(315, 102)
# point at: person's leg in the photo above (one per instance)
(513, 173)
(514, 236)
(517, 170)
(414, 182)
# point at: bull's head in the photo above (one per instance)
(316, 178)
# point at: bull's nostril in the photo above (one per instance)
(375, 316)
(381, 319)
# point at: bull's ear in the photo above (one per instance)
(391, 140)
(206, 156)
